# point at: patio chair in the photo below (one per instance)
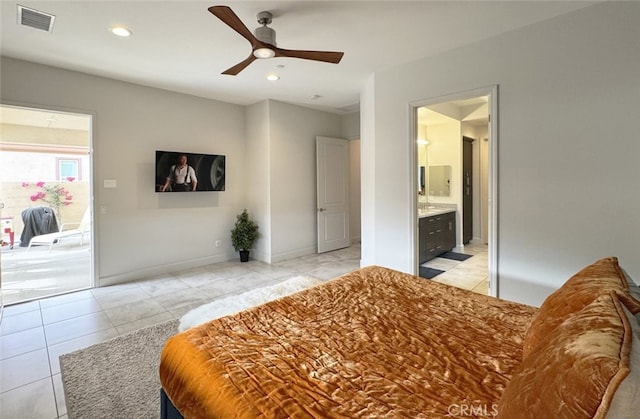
(37, 221)
(50, 239)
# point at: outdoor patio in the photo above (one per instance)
(38, 272)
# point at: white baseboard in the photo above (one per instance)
(195, 263)
(293, 254)
(477, 240)
(147, 273)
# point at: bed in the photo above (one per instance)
(381, 343)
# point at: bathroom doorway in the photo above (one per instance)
(45, 191)
(456, 134)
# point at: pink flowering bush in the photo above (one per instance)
(54, 195)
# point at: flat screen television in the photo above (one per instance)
(189, 172)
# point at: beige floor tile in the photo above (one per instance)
(76, 327)
(19, 322)
(132, 312)
(58, 392)
(70, 310)
(482, 287)
(185, 297)
(22, 342)
(35, 400)
(23, 369)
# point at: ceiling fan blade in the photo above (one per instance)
(325, 56)
(240, 66)
(225, 14)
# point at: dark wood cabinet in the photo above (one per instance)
(437, 234)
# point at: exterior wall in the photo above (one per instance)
(30, 155)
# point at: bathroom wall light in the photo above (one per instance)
(422, 141)
(120, 31)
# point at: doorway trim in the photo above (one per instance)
(94, 281)
(492, 93)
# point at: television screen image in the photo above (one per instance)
(189, 172)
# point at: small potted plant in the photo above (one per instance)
(244, 234)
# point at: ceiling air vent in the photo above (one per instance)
(35, 19)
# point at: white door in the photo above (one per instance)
(332, 167)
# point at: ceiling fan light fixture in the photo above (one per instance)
(263, 53)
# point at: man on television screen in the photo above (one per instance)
(182, 177)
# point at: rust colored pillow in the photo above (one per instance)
(601, 277)
(576, 371)
(627, 398)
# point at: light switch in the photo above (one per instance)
(110, 183)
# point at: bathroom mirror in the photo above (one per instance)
(439, 180)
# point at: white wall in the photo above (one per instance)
(350, 126)
(351, 131)
(568, 149)
(293, 131)
(270, 149)
(258, 176)
(368, 183)
(143, 231)
(354, 190)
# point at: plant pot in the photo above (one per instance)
(244, 256)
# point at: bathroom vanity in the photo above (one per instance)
(437, 232)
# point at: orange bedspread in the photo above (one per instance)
(372, 343)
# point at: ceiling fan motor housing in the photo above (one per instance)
(266, 35)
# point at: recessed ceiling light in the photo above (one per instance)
(315, 97)
(121, 31)
(273, 77)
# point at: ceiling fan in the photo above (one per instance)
(263, 43)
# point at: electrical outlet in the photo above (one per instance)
(218, 243)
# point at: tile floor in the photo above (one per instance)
(471, 274)
(33, 334)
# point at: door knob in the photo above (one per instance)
(320, 209)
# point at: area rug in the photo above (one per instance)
(454, 256)
(236, 303)
(119, 378)
(428, 273)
